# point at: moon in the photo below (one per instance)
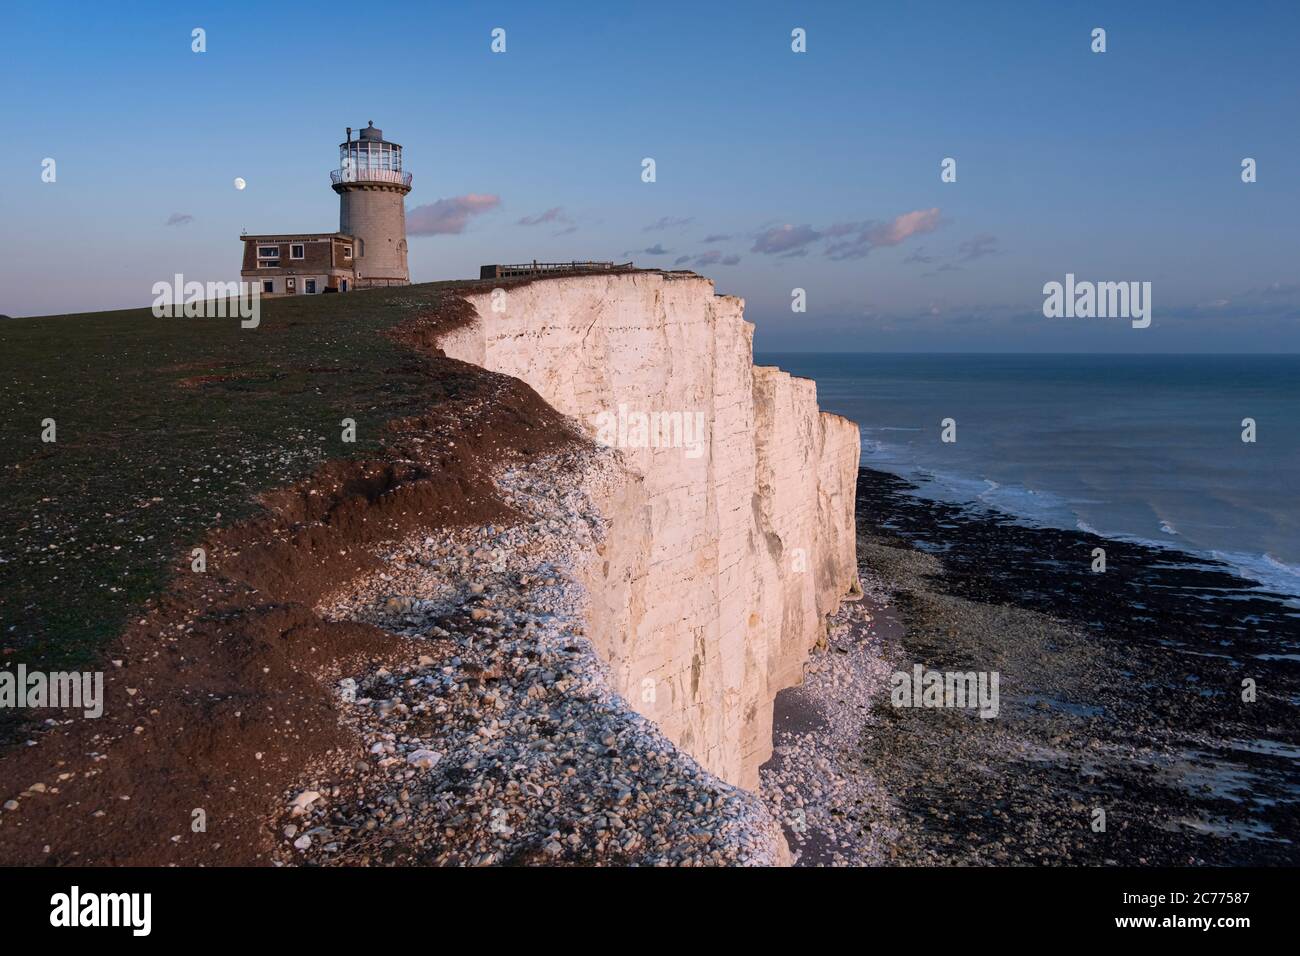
(239, 182)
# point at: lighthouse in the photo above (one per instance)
(369, 248)
(372, 188)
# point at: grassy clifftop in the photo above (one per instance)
(165, 428)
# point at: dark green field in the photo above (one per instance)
(166, 427)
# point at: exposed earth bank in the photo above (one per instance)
(406, 659)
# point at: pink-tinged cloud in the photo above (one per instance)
(862, 237)
(847, 240)
(906, 226)
(448, 217)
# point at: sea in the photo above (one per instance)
(1147, 448)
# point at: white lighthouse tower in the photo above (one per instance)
(372, 191)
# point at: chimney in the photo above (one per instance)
(349, 134)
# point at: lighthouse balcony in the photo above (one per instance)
(365, 174)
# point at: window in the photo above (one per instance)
(345, 285)
(311, 286)
(297, 251)
(292, 284)
(347, 252)
(268, 287)
(268, 252)
(268, 263)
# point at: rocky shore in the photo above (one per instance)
(1121, 692)
(833, 810)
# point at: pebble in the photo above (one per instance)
(424, 759)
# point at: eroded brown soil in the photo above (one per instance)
(217, 695)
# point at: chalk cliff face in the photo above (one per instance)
(732, 536)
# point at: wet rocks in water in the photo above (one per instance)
(1120, 693)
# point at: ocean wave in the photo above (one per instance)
(1031, 504)
(1272, 573)
(1045, 509)
(1267, 571)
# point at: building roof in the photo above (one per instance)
(371, 134)
(290, 236)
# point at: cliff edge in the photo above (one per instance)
(732, 527)
(523, 625)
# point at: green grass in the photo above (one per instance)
(167, 427)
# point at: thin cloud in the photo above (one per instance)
(980, 246)
(668, 222)
(946, 267)
(714, 257)
(448, 217)
(846, 240)
(1275, 302)
(179, 219)
(862, 237)
(1286, 289)
(784, 239)
(711, 258)
(716, 237)
(554, 214)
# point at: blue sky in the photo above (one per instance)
(821, 168)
